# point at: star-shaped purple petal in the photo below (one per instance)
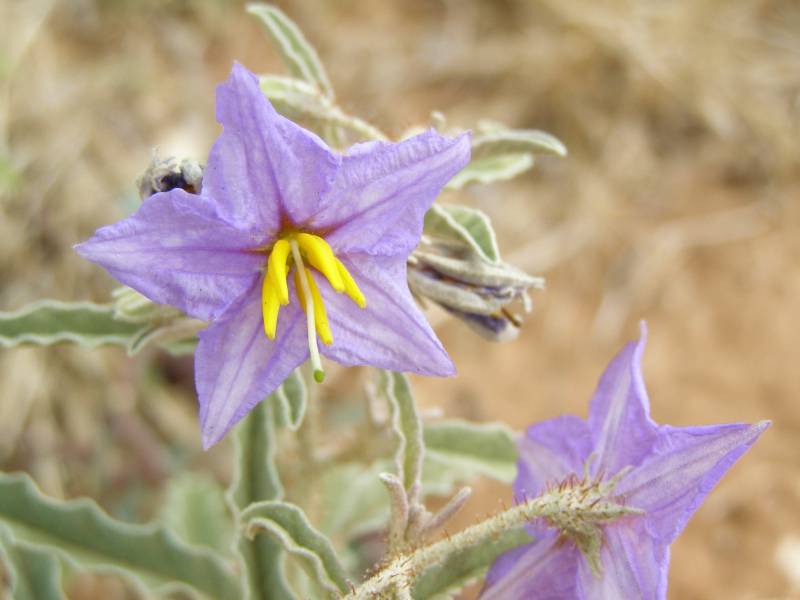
(266, 176)
(667, 472)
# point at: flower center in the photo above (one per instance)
(584, 505)
(303, 249)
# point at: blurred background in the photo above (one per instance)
(678, 204)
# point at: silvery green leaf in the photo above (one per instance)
(290, 400)
(287, 524)
(476, 448)
(464, 566)
(51, 321)
(301, 101)
(406, 425)
(354, 499)
(35, 574)
(255, 480)
(194, 508)
(175, 329)
(504, 142)
(84, 537)
(465, 224)
(484, 126)
(300, 57)
(295, 98)
(479, 273)
(130, 305)
(488, 169)
(181, 347)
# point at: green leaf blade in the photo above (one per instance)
(475, 448)
(35, 574)
(511, 141)
(194, 508)
(299, 55)
(287, 524)
(463, 224)
(256, 479)
(51, 321)
(82, 535)
(407, 426)
(488, 169)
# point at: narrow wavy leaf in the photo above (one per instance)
(407, 426)
(35, 574)
(473, 448)
(256, 480)
(299, 55)
(289, 401)
(287, 524)
(301, 101)
(51, 321)
(83, 536)
(512, 141)
(492, 168)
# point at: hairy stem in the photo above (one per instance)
(579, 504)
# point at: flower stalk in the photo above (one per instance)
(576, 503)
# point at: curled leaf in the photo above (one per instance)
(287, 524)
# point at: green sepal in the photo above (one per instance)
(84, 537)
(287, 524)
(48, 322)
(464, 566)
(472, 448)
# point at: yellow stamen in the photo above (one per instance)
(305, 293)
(270, 305)
(294, 249)
(350, 286)
(276, 269)
(320, 315)
(321, 257)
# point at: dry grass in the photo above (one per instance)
(678, 204)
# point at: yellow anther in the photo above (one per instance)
(350, 286)
(321, 257)
(270, 305)
(276, 269)
(320, 316)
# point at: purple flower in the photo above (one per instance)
(664, 471)
(275, 201)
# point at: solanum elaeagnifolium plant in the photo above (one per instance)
(308, 235)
